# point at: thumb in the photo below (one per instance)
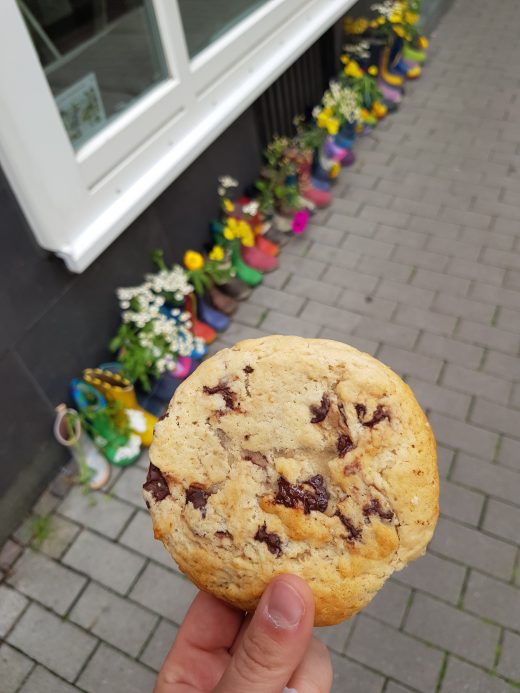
(275, 641)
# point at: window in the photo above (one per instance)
(98, 57)
(205, 22)
(112, 99)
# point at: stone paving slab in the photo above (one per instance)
(417, 261)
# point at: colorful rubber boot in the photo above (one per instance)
(247, 274)
(385, 74)
(211, 316)
(303, 162)
(283, 222)
(389, 93)
(235, 288)
(416, 55)
(276, 236)
(118, 448)
(117, 388)
(256, 259)
(321, 173)
(182, 367)
(333, 151)
(199, 328)
(219, 300)
(92, 466)
(346, 136)
(349, 159)
(267, 246)
(302, 201)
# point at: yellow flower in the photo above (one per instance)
(411, 18)
(395, 18)
(423, 42)
(360, 25)
(353, 70)
(247, 237)
(379, 109)
(193, 260)
(322, 119)
(228, 205)
(335, 169)
(374, 23)
(228, 234)
(344, 59)
(364, 114)
(242, 227)
(216, 253)
(333, 126)
(381, 20)
(399, 30)
(372, 70)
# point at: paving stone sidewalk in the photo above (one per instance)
(418, 262)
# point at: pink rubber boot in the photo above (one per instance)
(258, 260)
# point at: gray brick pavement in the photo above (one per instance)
(417, 262)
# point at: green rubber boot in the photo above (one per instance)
(247, 274)
(414, 54)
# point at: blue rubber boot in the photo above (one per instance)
(211, 316)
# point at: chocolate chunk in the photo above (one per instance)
(164, 416)
(248, 370)
(292, 495)
(341, 410)
(156, 483)
(320, 411)
(374, 508)
(224, 535)
(344, 444)
(380, 413)
(255, 457)
(225, 391)
(147, 505)
(273, 541)
(198, 497)
(361, 412)
(353, 531)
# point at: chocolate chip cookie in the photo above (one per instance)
(291, 455)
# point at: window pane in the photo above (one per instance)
(205, 22)
(99, 56)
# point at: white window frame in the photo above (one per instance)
(78, 202)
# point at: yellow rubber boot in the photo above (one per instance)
(116, 388)
(392, 79)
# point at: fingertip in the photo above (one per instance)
(300, 586)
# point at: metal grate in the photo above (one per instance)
(298, 90)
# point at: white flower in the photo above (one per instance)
(228, 182)
(386, 8)
(136, 420)
(251, 208)
(343, 101)
(131, 449)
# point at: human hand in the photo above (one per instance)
(220, 649)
